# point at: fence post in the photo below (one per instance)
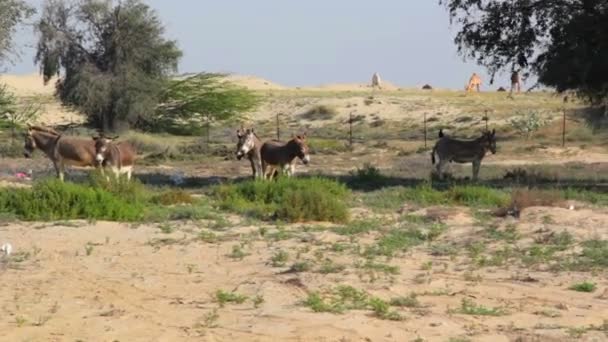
(350, 129)
(486, 118)
(564, 123)
(278, 127)
(425, 131)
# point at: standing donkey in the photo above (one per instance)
(463, 151)
(249, 144)
(119, 157)
(60, 150)
(278, 155)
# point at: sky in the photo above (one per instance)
(312, 42)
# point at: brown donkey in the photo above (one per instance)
(119, 157)
(249, 145)
(60, 150)
(276, 155)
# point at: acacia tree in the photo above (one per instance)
(199, 101)
(112, 57)
(12, 12)
(563, 42)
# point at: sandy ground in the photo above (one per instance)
(105, 281)
(134, 283)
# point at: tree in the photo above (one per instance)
(563, 42)
(113, 58)
(13, 13)
(198, 101)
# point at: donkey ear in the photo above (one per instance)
(115, 137)
(96, 138)
(239, 133)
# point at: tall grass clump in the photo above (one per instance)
(471, 196)
(54, 200)
(287, 199)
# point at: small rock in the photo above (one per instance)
(7, 249)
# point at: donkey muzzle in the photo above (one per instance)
(239, 155)
(99, 158)
(306, 159)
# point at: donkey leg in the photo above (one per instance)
(476, 165)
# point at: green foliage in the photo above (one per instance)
(584, 287)
(224, 297)
(287, 199)
(410, 301)
(526, 123)
(112, 56)
(468, 307)
(279, 259)
(13, 13)
(53, 200)
(172, 197)
(199, 101)
(472, 196)
(549, 38)
(344, 298)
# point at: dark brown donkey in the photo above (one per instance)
(61, 150)
(119, 157)
(278, 155)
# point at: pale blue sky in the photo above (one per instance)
(295, 43)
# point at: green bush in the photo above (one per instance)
(287, 199)
(54, 200)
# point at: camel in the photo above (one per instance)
(474, 83)
(376, 81)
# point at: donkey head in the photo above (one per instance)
(102, 143)
(488, 141)
(301, 148)
(246, 142)
(29, 143)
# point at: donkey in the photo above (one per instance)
(471, 151)
(276, 154)
(60, 150)
(249, 145)
(119, 157)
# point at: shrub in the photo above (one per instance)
(173, 197)
(53, 200)
(527, 123)
(584, 287)
(288, 199)
(320, 112)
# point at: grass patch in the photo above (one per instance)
(359, 227)
(410, 301)
(52, 200)
(344, 298)
(425, 195)
(224, 297)
(173, 197)
(585, 286)
(468, 307)
(287, 199)
(279, 259)
(331, 267)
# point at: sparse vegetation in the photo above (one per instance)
(468, 307)
(223, 297)
(585, 286)
(320, 112)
